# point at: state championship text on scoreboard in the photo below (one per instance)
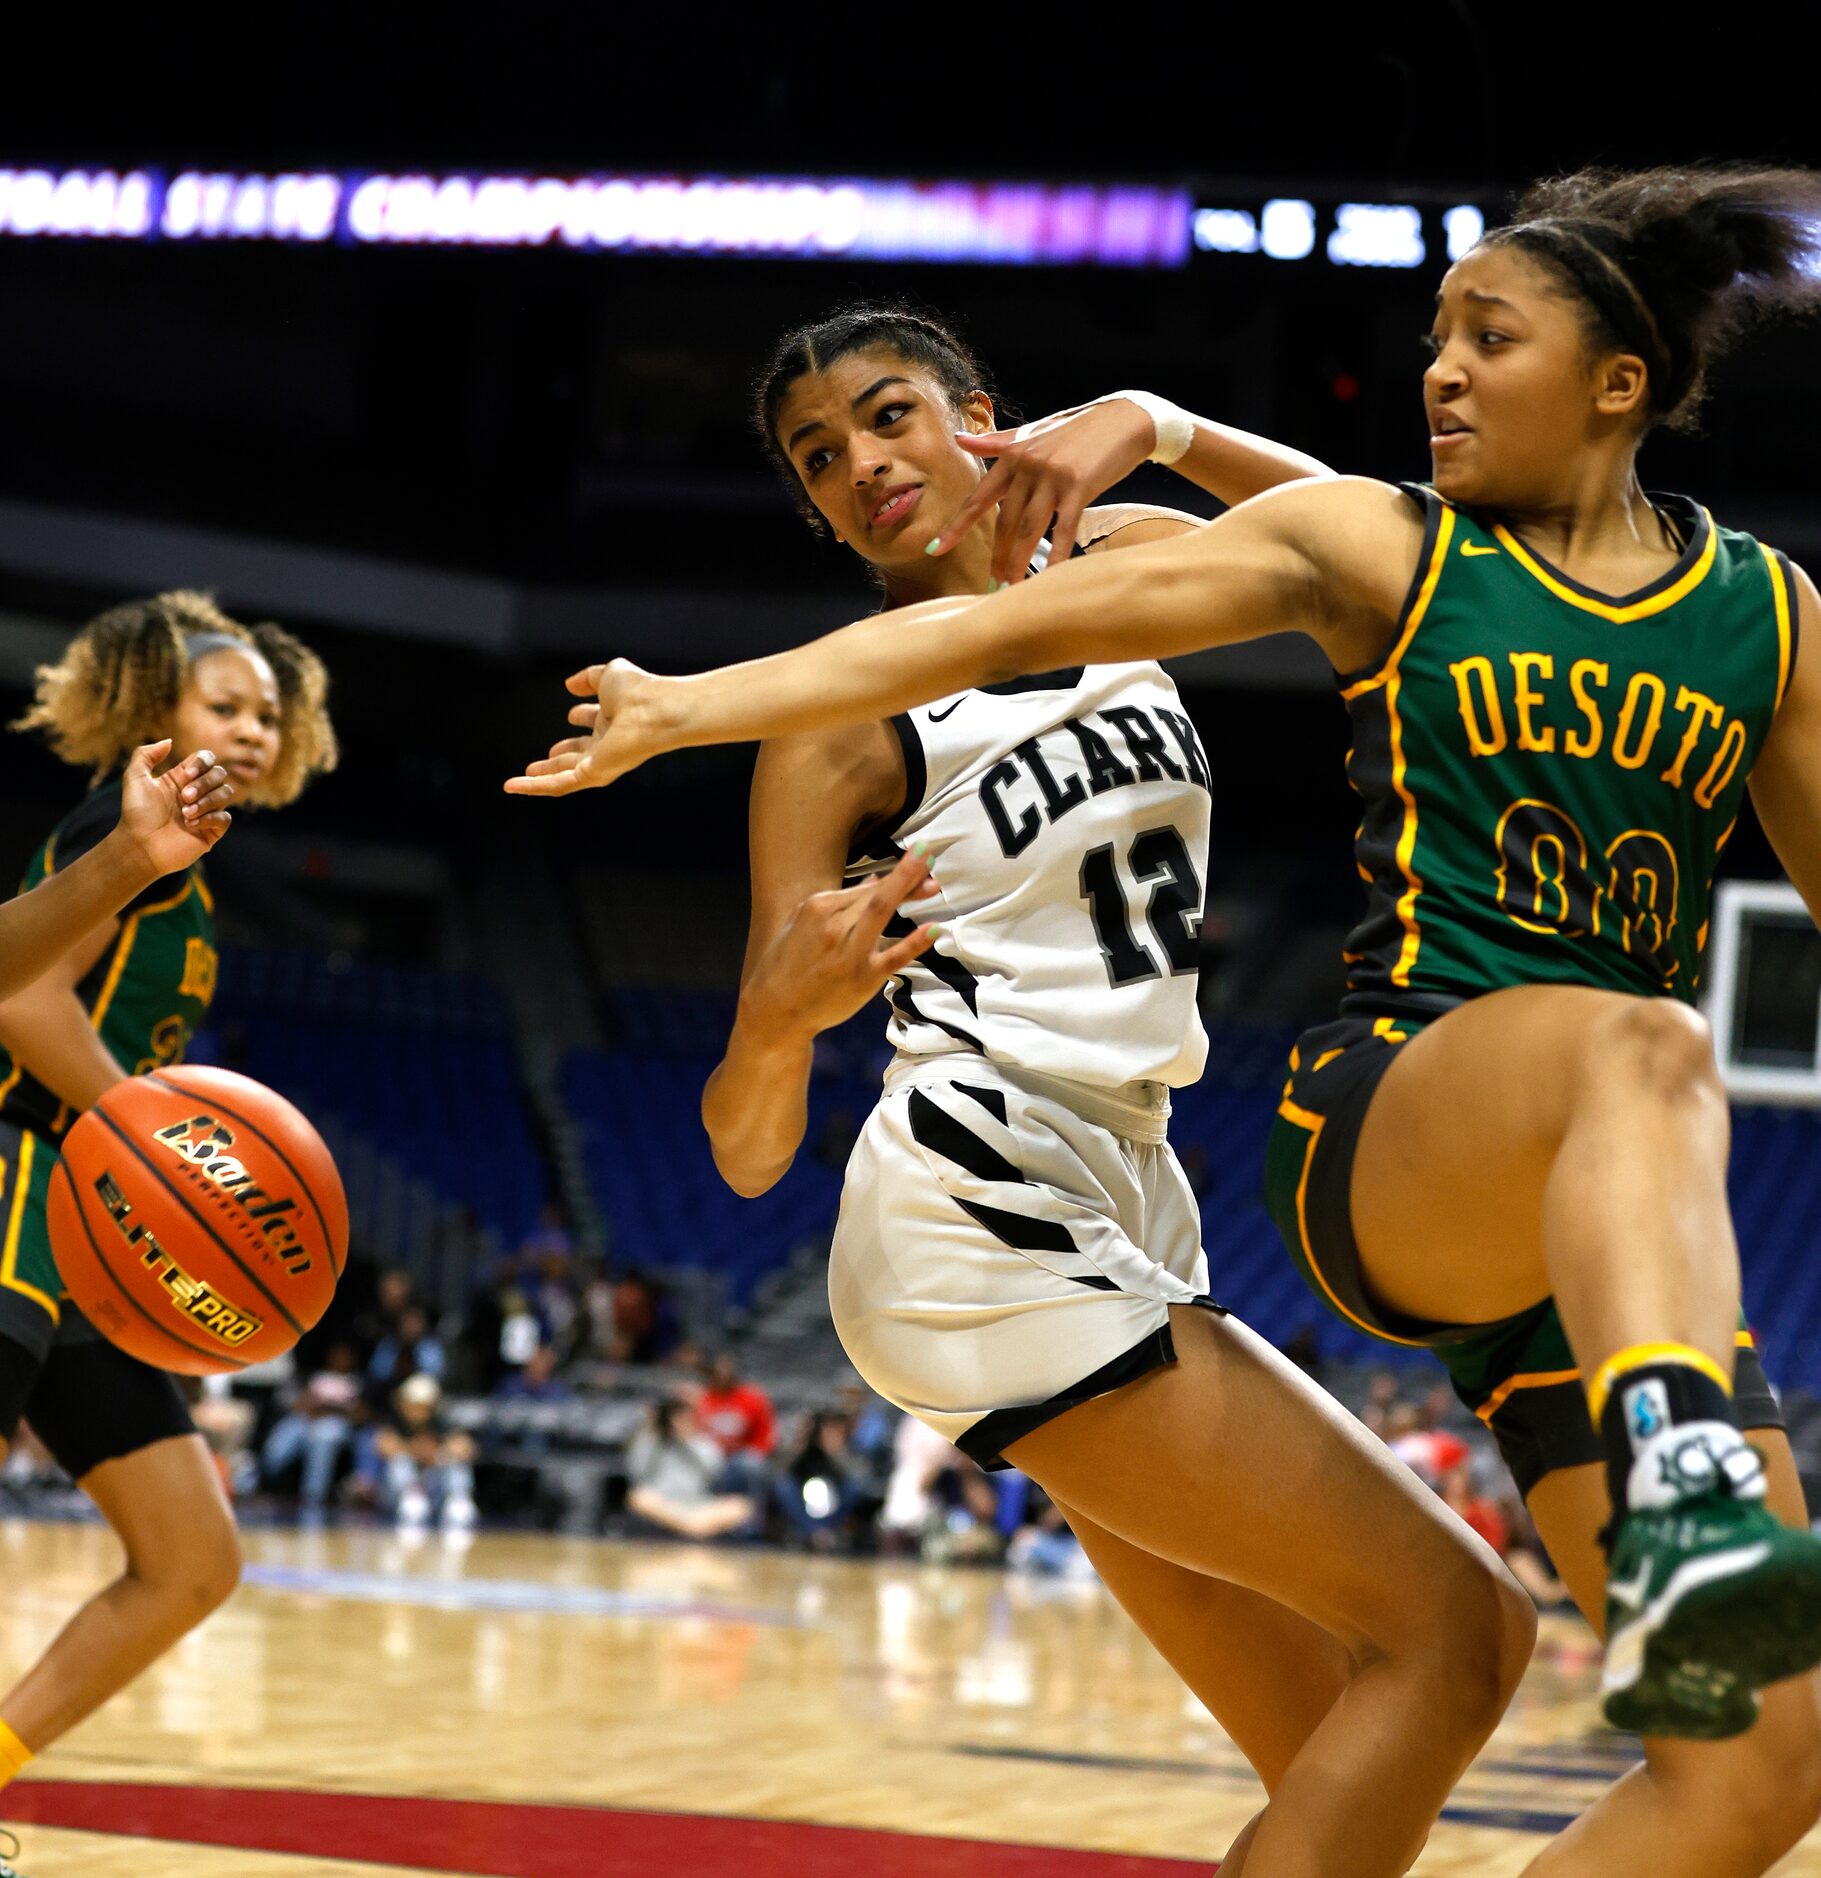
(1015, 224)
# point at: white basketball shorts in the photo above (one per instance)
(1009, 1245)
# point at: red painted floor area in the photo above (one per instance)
(508, 1841)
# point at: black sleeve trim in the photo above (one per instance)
(86, 826)
(916, 772)
(1432, 506)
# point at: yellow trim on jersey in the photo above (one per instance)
(1386, 1030)
(1533, 1379)
(1322, 1061)
(1744, 1340)
(1406, 842)
(9, 1258)
(1308, 1120)
(128, 933)
(1619, 615)
(203, 893)
(1636, 1356)
(1780, 589)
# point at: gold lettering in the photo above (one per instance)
(1703, 712)
(1578, 674)
(1726, 759)
(1522, 665)
(1642, 683)
(1486, 739)
(199, 970)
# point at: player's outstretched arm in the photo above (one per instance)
(1786, 783)
(1331, 558)
(166, 822)
(1055, 467)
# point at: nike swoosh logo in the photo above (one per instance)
(936, 717)
(1470, 549)
(1630, 1592)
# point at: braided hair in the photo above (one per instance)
(1673, 264)
(119, 680)
(884, 327)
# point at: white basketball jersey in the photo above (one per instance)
(1066, 817)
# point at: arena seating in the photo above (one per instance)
(392, 1060)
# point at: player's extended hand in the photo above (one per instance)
(178, 817)
(1052, 468)
(626, 725)
(827, 963)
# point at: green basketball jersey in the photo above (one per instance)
(147, 992)
(1548, 774)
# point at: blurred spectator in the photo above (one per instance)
(520, 1332)
(408, 1349)
(549, 1238)
(920, 1457)
(226, 1425)
(1047, 1546)
(634, 1338)
(737, 1416)
(317, 1430)
(1431, 1453)
(417, 1468)
(1381, 1399)
(1481, 1512)
(553, 1300)
(391, 1297)
(822, 1484)
(536, 1382)
(673, 1478)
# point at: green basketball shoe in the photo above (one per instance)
(1706, 1602)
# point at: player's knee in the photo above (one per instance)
(1480, 1633)
(1658, 1048)
(209, 1570)
(1782, 1794)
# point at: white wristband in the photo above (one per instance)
(1174, 426)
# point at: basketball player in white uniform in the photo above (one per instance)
(1018, 1261)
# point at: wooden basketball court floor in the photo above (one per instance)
(532, 1707)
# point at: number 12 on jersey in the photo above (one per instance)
(1173, 912)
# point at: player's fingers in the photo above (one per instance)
(586, 682)
(1016, 520)
(894, 958)
(985, 495)
(587, 715)
(986, 442)
(148, 756)
(540, 780)
(1018, 543)
(210, 791)
(212, 827)
(1068, 526)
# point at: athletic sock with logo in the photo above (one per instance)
(14, 1754)
(1666, 1417)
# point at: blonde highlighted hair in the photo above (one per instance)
(119, 680)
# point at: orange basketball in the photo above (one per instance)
(197, 1220)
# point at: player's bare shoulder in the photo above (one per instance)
(852, 772)
(1361, 541)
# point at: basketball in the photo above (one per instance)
(198, 1220)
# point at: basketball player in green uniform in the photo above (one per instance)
(1513, 1146)
(123, 997)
